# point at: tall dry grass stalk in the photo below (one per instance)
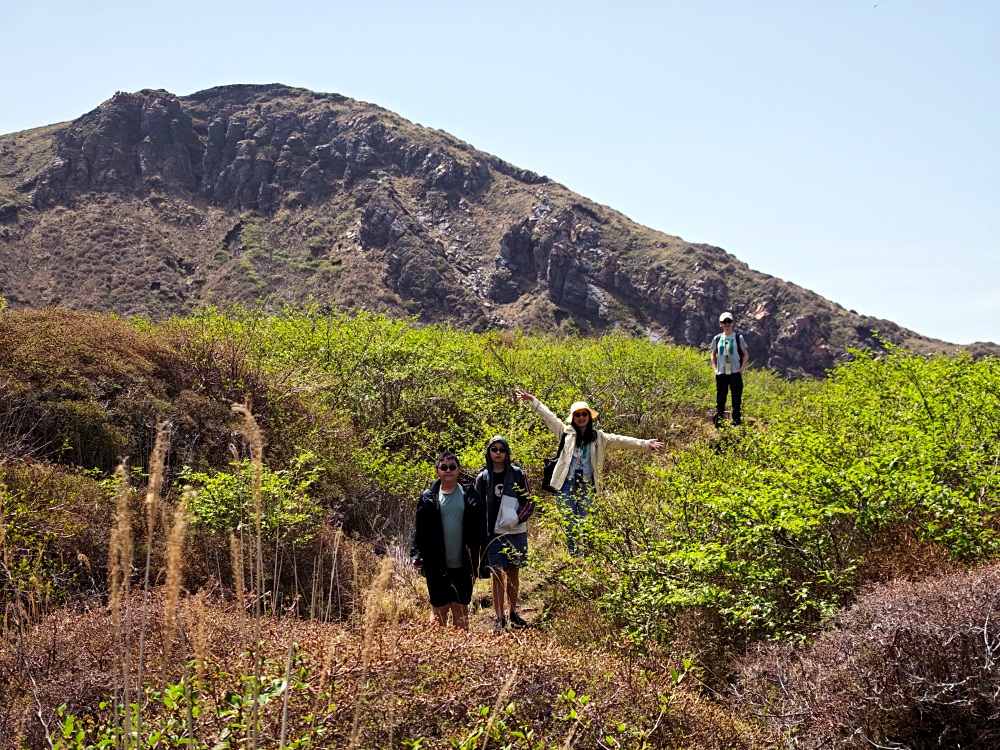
(373, 611)
(505, 691)
(355, 583)
(236, 555)
(175, 571)
(121, 576)
(288, 688)
(334, 574)
(251, 431)
(3, 527)
(202, 637)
(4, 556)
(316, 591)
(157, 462)
(21, 618)
(393, 622)
(330, 650)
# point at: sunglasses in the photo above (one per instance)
(727, 322)
(497, 449)
(447, 467)
(581, 414)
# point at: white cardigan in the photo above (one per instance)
(605, 440)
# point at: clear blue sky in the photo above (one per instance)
(850, 147)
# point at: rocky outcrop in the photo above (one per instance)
(154, 203)
(522, 175)
(801, 348)
(414, 263)
(567, 255)
(238, 154)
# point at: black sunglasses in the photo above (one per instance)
(497, 449)
(447, 467)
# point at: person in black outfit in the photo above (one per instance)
(448, 538)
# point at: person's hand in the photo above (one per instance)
(524, 395)
(655, 446)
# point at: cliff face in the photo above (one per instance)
(153, 204)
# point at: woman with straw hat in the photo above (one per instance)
(577, 472)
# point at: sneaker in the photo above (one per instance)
(517, 622)
(499, 625)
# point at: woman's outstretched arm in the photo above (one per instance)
(624, 441)
(555, 425)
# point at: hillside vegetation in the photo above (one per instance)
(241, 577)
(156, 205)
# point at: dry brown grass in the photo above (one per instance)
(911, 664)
(175, 557)
(420, 682)
(901, 556)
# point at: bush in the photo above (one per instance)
(54, 529)
(911, 665)
(404, 684)
(223, 501)
(772, 529)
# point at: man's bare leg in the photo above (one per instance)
(459, 615)
(439, 615)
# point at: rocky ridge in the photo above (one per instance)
(154, 204)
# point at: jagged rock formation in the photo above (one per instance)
(152, 204)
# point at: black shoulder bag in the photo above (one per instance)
(550, 466)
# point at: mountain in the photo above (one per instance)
(154, 204)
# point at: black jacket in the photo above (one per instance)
(428, 534)
(519, 489)
(516, 481)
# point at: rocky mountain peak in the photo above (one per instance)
(248, 192)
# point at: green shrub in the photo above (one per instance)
(223, 501)
(770, 527)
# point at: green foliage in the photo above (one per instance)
(762, 531)
(53, 533)
(252, 235)
(223, 501)
(195, 713)
(406, 392)
(181, 714)
(769, 528)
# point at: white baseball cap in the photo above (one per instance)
(726, 316)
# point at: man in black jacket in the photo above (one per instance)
(448, 537)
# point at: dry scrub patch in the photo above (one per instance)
(402, 682)
(910, 665)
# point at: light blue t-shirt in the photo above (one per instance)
(582, 461)
(726, 345)
(452, 516)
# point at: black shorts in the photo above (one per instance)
(455, 586)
